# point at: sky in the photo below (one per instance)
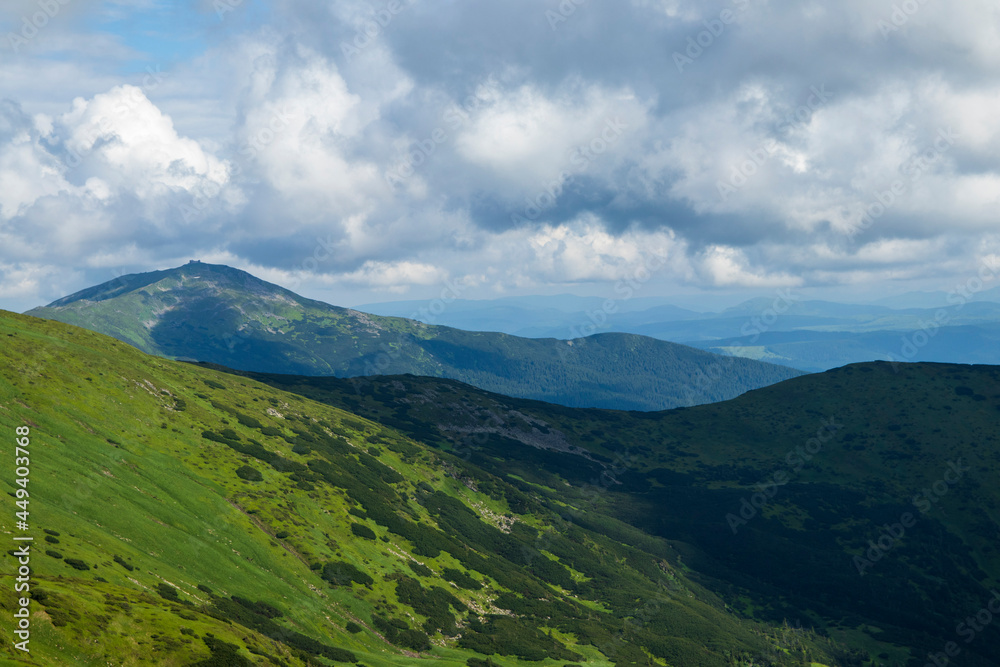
(394, 149)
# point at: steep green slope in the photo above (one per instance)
(787, 502)
(186, 517)
(225, 316)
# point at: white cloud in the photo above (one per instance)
(527, 139)
(272, 144)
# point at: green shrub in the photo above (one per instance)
(353, 627)
(282, 534)
(399, 633)
(363, 531)
(121, 561)
(476, 662)
(168, 592)
(224, 654)
(420, 569)
(77, 564)
(461, 578)
(54, 554)
(259, 608)
(339, 573)
(248, 421)
(233, 612)
(53, 533)
(249, 473)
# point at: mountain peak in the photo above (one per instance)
(218, 275)
(223, 315)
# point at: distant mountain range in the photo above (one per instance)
(809, 335)
(218, 314)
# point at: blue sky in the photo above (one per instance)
(369, 151)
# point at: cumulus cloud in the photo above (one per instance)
(343, 144)
(110, 172)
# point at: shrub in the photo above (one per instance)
(204, 589)
(54, 554)
(77, 564)
(339, 573)
(400, 634)
(461, 578)
(248, 421)
(282, 534)
(259, 608)
(51, 540)
(420, 569)
(363, 531)
(353, 627)
(53, 533)
(121, 561)
(168, 592)
(249, 473)
(224, 654)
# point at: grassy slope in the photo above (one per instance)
(221, 315)
(678, 474)
(121, 468)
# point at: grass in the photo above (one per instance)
(123, 473)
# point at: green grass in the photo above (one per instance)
(645, 478)
(123, 471)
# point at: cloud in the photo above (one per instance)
(345, 144)
(110, 171)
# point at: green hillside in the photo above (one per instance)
(183, 516)
(774, 499)
(225, 316)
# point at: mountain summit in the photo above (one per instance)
(219, 314)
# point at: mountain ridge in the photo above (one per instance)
(184, 516)
(223, 315)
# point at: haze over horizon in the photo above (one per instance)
(513, 149)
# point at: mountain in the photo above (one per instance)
(561, 316)
(226, 316)
(183, 516)
(862, 502)
(809, 335)
(816, 351)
